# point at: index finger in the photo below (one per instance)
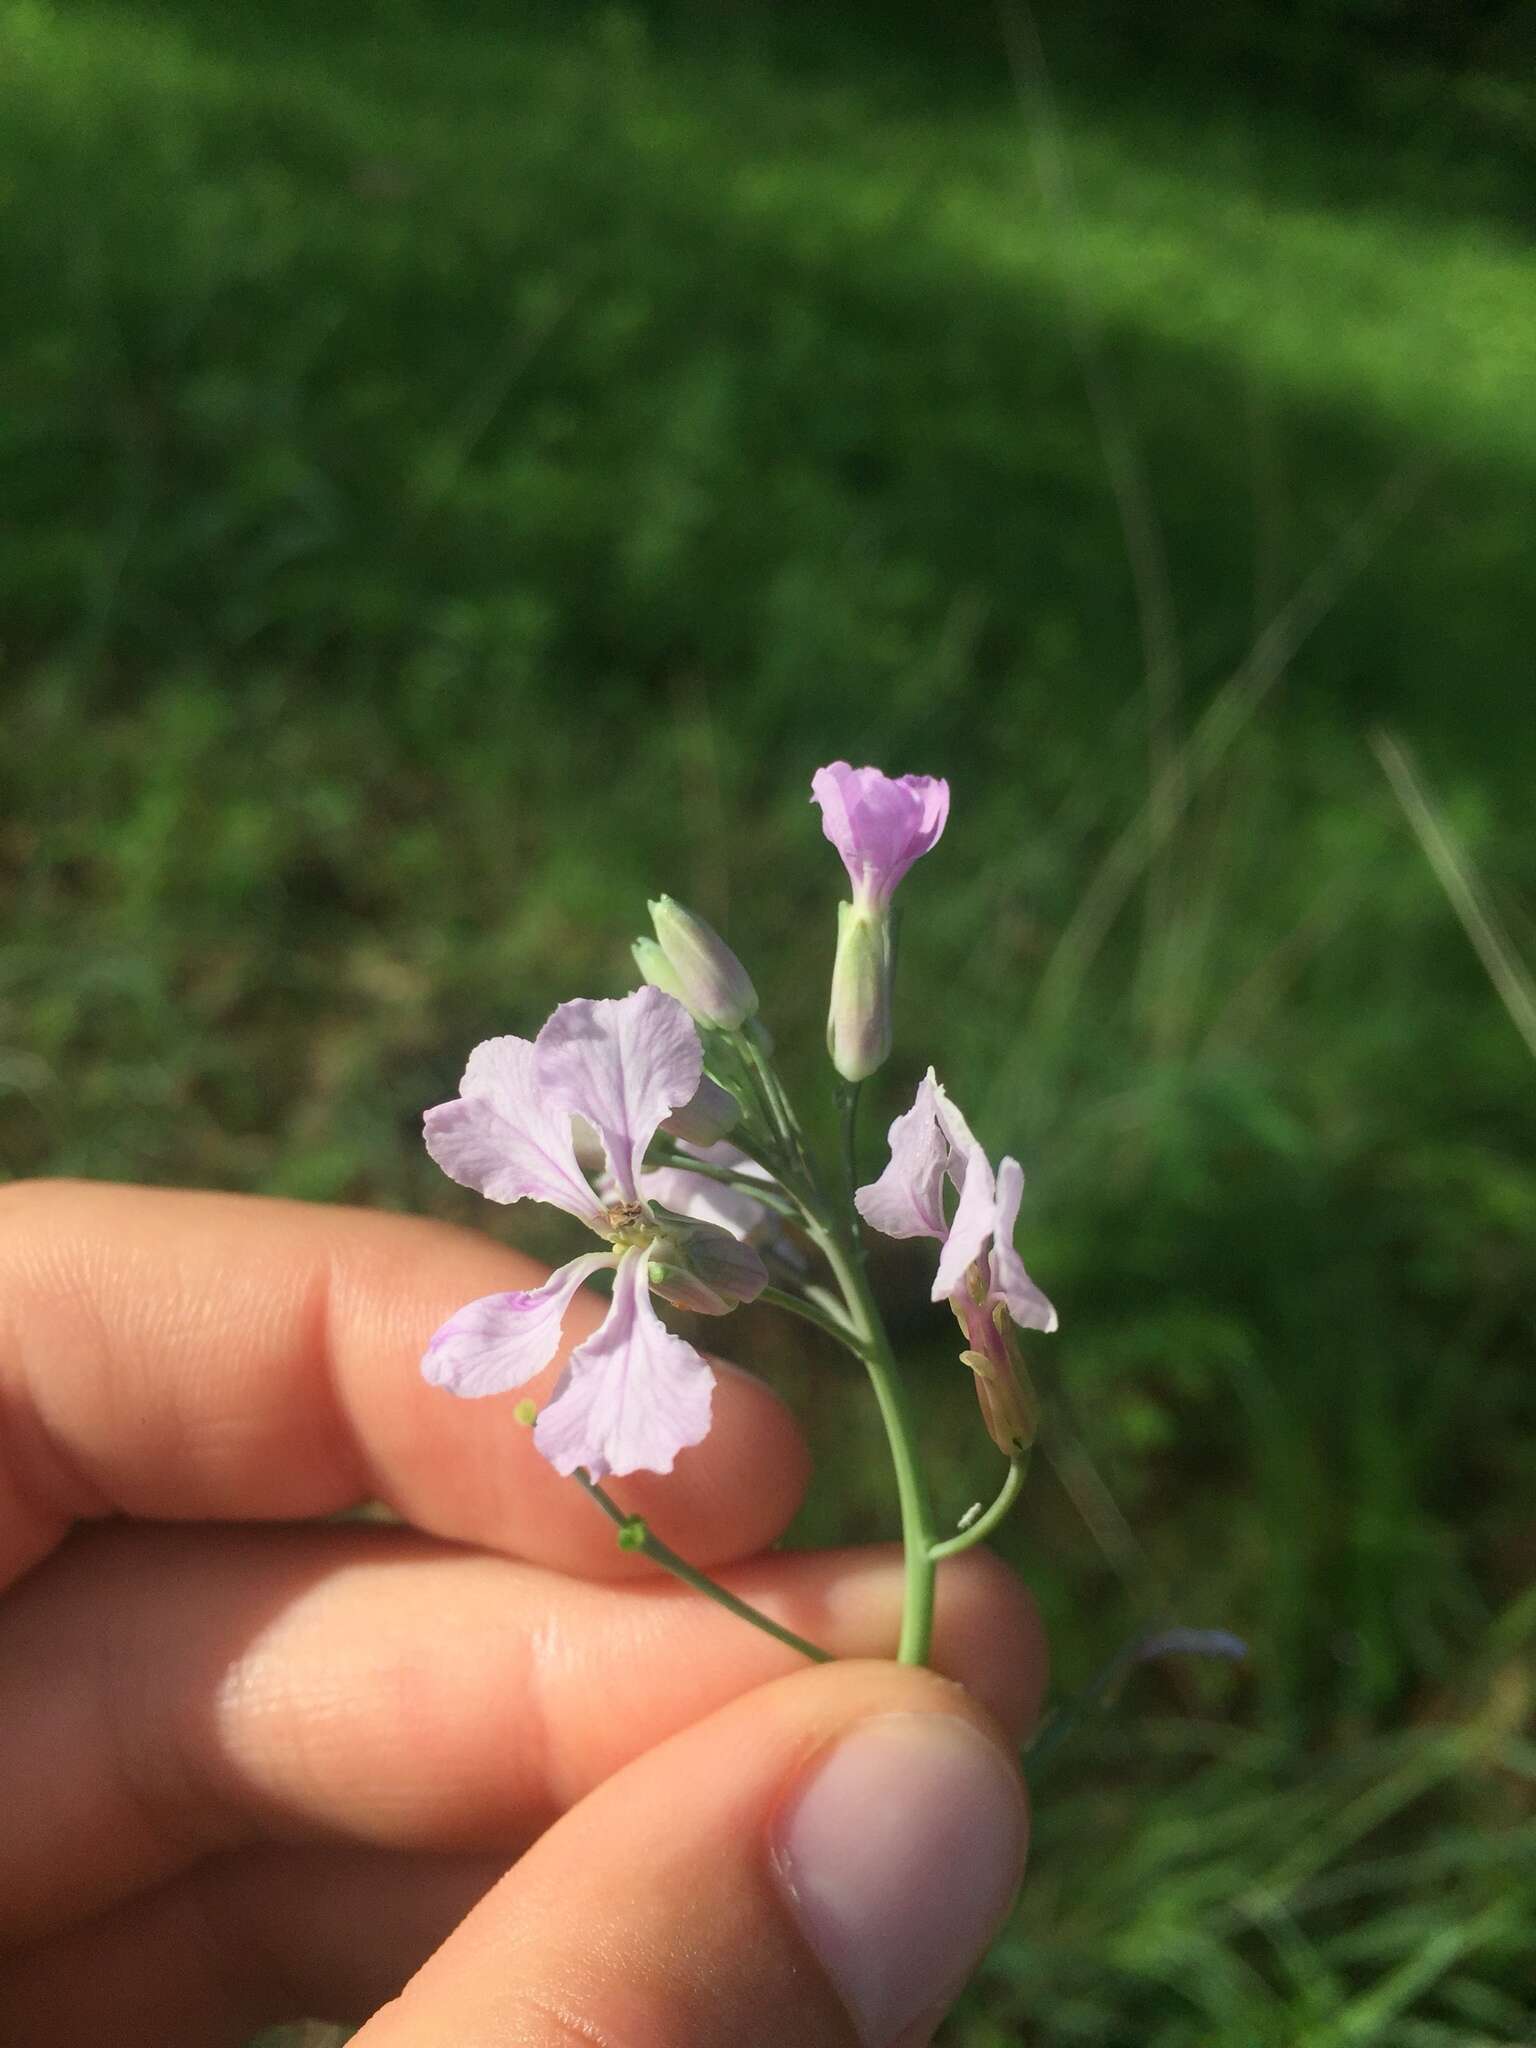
(182, 1356)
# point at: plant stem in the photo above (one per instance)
(765, 1191)
(901, 1433)
(844, 1254)
(634, 1535)
(785, 1122)
(797, 1305)
(979, 1530)
(848, 1118)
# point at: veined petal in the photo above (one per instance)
(707, 1117)
(908, 1198)
(1026, 1304)
(502, 1136)
(502, 1340)
(880, 824)
(632, 1396)
(971, 1230)
(964, 1146)
(624, 1066)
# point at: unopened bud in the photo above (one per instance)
(706, 1117)
(702, 971)
(685, 1290)
(701, 1267)
(655, 969)
(859, 1019)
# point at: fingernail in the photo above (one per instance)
(900, 1852)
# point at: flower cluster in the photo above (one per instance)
(633, 1395)
(697, 1173)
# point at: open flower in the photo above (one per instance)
(979, 1273)
(633, 1395)
(880, 825)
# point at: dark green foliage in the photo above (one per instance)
(461, 478)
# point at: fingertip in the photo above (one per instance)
(824, 1858)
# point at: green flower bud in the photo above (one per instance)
(701, 1267)
(704, 974)
(859, 1019)
(655, 969)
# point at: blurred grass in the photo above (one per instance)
(463, 476)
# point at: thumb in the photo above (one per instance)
(822, 1862)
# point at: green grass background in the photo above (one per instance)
(464, 467)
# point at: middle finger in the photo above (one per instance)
(168, 1692)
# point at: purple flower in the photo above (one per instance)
(979, 1273)
(879, 824)
(880, 827)
(633, 1395)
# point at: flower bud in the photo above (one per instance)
(859, 1019)
(705, 1118)
(655, 969)
(685, 1290)
(701, 1267)
(704, 974)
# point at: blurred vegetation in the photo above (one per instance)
(464, 472)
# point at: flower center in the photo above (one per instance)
(628, 1223)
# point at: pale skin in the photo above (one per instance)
(255, 1766)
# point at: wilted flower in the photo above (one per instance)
(979, 1274)
(633, 1395)
(880, 826)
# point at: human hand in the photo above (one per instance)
(256, 1767)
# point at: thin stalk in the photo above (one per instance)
(635, 1535)
(1458, 877)
(848, 1118)
(810, 1312)
(786, 1123)
(979, 1530)
(765, 1191)
(901, 1433)
(826, 1298)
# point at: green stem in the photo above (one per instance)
(634, 1535)
(979, 1530)
(786, 1123)
(901, 1433)
(797, 1305)
(765, 1191)
(848, 1117)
